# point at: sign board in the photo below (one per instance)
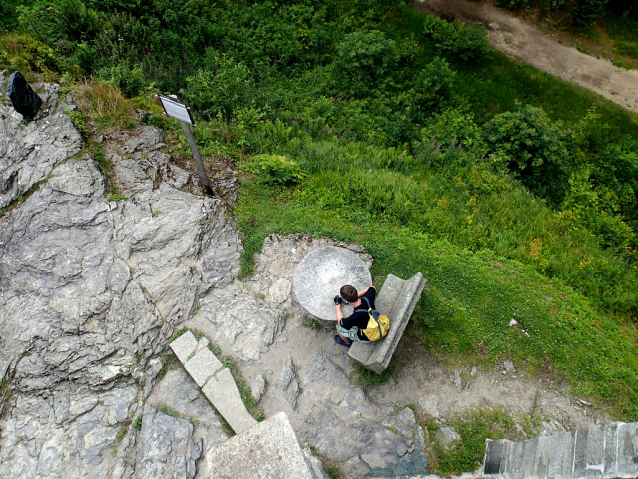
(177, 110)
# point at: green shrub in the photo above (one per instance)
(585, 12)
(435, 86)
(275, 170)
(465, 42)
(78, 21)
(513, 4)
(220, 90)
(364, 60)
(28, 54)
(453, 126)
(535, 149)
(130, 81)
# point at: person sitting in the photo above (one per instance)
(351, 328)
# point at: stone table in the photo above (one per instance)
(319, 277)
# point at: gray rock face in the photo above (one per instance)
(64, 434)
(88, 290)
(368, 440)
(241, 322)
(182, 395)
(290, 383)
(167, 449)
(28, 153)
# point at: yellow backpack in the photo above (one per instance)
(378, 324)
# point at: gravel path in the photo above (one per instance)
(527, 43)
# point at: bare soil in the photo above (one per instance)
(551, 53)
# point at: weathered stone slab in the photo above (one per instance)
(495, 453)
(184, 346)
(611, 445)
(203, 366)
(268, 450)
(396, 300)
(627, 450)
(320, 275)
(23, 98)
(222, 391)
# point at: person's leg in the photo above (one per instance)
(347, 335)
(346, 340)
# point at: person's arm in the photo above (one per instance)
(339, 314)
(364, 291)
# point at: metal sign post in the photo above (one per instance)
(179, 111)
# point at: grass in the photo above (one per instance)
(169, 411)
(471, 299)
(103, 104)
(244, 389)
(474, 427)
(137, 424)
(471, 207)
(334, 472)
(365, 377)
(310, 324)
(168, 360)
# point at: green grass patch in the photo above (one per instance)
(474, 427)
(365, 377)
(169, 411)
(137, 424)
(472, 297)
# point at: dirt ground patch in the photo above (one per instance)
(529, 44)
(442, 392)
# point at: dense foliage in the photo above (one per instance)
(513, 192)
(582, 12)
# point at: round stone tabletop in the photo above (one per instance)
(320, 275)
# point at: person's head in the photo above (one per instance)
(349, 293)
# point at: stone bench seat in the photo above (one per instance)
(396, 300)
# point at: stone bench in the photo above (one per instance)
(396, 300)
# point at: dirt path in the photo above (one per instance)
(529, 44)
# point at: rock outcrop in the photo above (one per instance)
(91, 290)
(28, 153)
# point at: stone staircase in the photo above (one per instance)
(604, 451)
(216, 381)
(269, 449)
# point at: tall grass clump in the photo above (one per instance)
(104, 104)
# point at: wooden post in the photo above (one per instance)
(198, 159)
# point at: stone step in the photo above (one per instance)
(601, 451)
(268, 450)
(396, 300)
(216, 381)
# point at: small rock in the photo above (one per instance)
(473, 371)
(447, 435)
(458, 382)
(509, 366)
(257, 387)
(290, 383)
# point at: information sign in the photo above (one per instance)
(177, 110)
